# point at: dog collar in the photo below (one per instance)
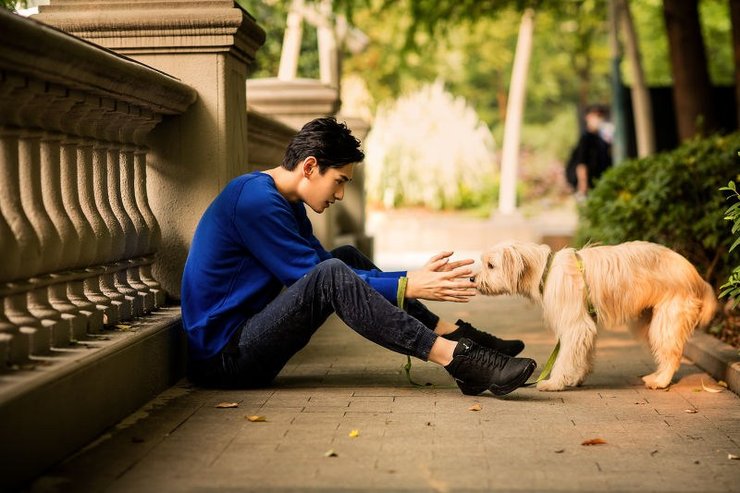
(545, 273)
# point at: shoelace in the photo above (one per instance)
(467, 329)
(489, 357)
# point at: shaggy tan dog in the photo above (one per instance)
(654, 290)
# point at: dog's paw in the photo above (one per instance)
(654, 381)
(549, 385)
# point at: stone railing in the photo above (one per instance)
(77, 235)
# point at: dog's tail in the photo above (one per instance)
(708, 306)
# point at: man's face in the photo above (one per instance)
(319, 190)
(593, 121)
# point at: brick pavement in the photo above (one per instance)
(423, 438)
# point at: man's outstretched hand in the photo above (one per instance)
(442, 280)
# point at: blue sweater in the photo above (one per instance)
(250, 242)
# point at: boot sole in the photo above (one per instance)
(523, 377)
(496, 390)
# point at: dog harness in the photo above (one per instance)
(545, 273)
(591, 307)
(591, 311)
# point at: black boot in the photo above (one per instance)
(476, 368)
(464, 329)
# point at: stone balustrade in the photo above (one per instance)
(77, 235)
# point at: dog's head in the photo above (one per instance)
(507, 268)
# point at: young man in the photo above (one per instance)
(258, 284)
(591, 156)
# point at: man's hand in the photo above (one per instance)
(442, 280)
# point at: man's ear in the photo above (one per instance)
(310, 166)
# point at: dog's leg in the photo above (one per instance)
(673, 322)
(574, 362)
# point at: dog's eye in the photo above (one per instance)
(490, 265)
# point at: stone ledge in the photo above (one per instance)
(72, 397)
(720, 360)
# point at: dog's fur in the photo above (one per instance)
(653, 289)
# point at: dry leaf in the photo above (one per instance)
(354, 433)
(713, 389)
(123, 327)
(594, 441)
(257, 419)
(690, 411)
(227, 405)
(722, 383)
(733, 457)
(475, 407)
(330, 453)
(559, 451)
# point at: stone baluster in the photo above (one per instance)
(126, 233)
(141, 231)
(113, 229)
(51, 177)
(102, 244)
(70, 184)
(150, 248)
(14, 347)
(50, 241)
(21, 259)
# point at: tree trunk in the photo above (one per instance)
(692, 91)
(641, 106)
(735, 16)
(514, 114)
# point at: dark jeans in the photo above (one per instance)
(266, 341)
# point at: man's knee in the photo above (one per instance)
(346, 252)
(332, 265)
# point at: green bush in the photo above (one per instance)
(670, 198)
(731, 288)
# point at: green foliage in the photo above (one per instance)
(670, 198)
(272, 17)
(650, 26)
(731, 288)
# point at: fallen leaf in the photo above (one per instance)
(722, 383)
(594, 441)
(257, 419)
(690, 411)
(653, 453)
(227, 405)
(559, 451)
(330, 453)
(713, 389)
(354, 433)
(733, 457)
(122, 327)
(475, 407)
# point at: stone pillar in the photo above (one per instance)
(208, 45)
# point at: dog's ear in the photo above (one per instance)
(512, 265)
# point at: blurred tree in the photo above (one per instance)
(692, 89)
(272, 16)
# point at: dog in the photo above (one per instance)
(649, 287)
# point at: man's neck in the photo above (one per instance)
(286, 182)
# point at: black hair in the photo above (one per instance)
(330, 142)
(599, 109)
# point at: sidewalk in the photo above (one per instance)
(424, 438)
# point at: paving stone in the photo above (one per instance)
(423, 438)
